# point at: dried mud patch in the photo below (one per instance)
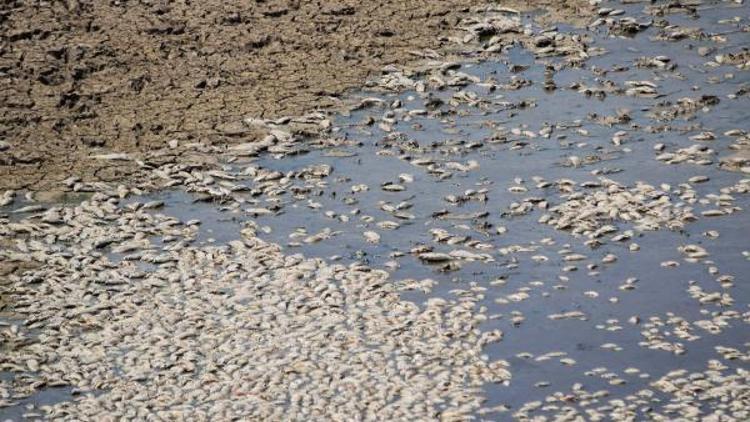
(81, 78)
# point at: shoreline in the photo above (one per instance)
(77, 88)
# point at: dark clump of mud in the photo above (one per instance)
(79, 78)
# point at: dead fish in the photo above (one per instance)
(112, 157)
(7, 198)
(371, 237)
(258, 211)
(29, 208)
(392, 187)
(446, 215)
(153, 205)
(434, 257)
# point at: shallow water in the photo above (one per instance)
(659, 290)
(25, 409)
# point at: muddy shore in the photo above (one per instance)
(80, 78)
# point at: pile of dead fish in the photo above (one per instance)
(123, 308)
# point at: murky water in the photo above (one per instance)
(489, 155)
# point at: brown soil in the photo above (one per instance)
(83, 77)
